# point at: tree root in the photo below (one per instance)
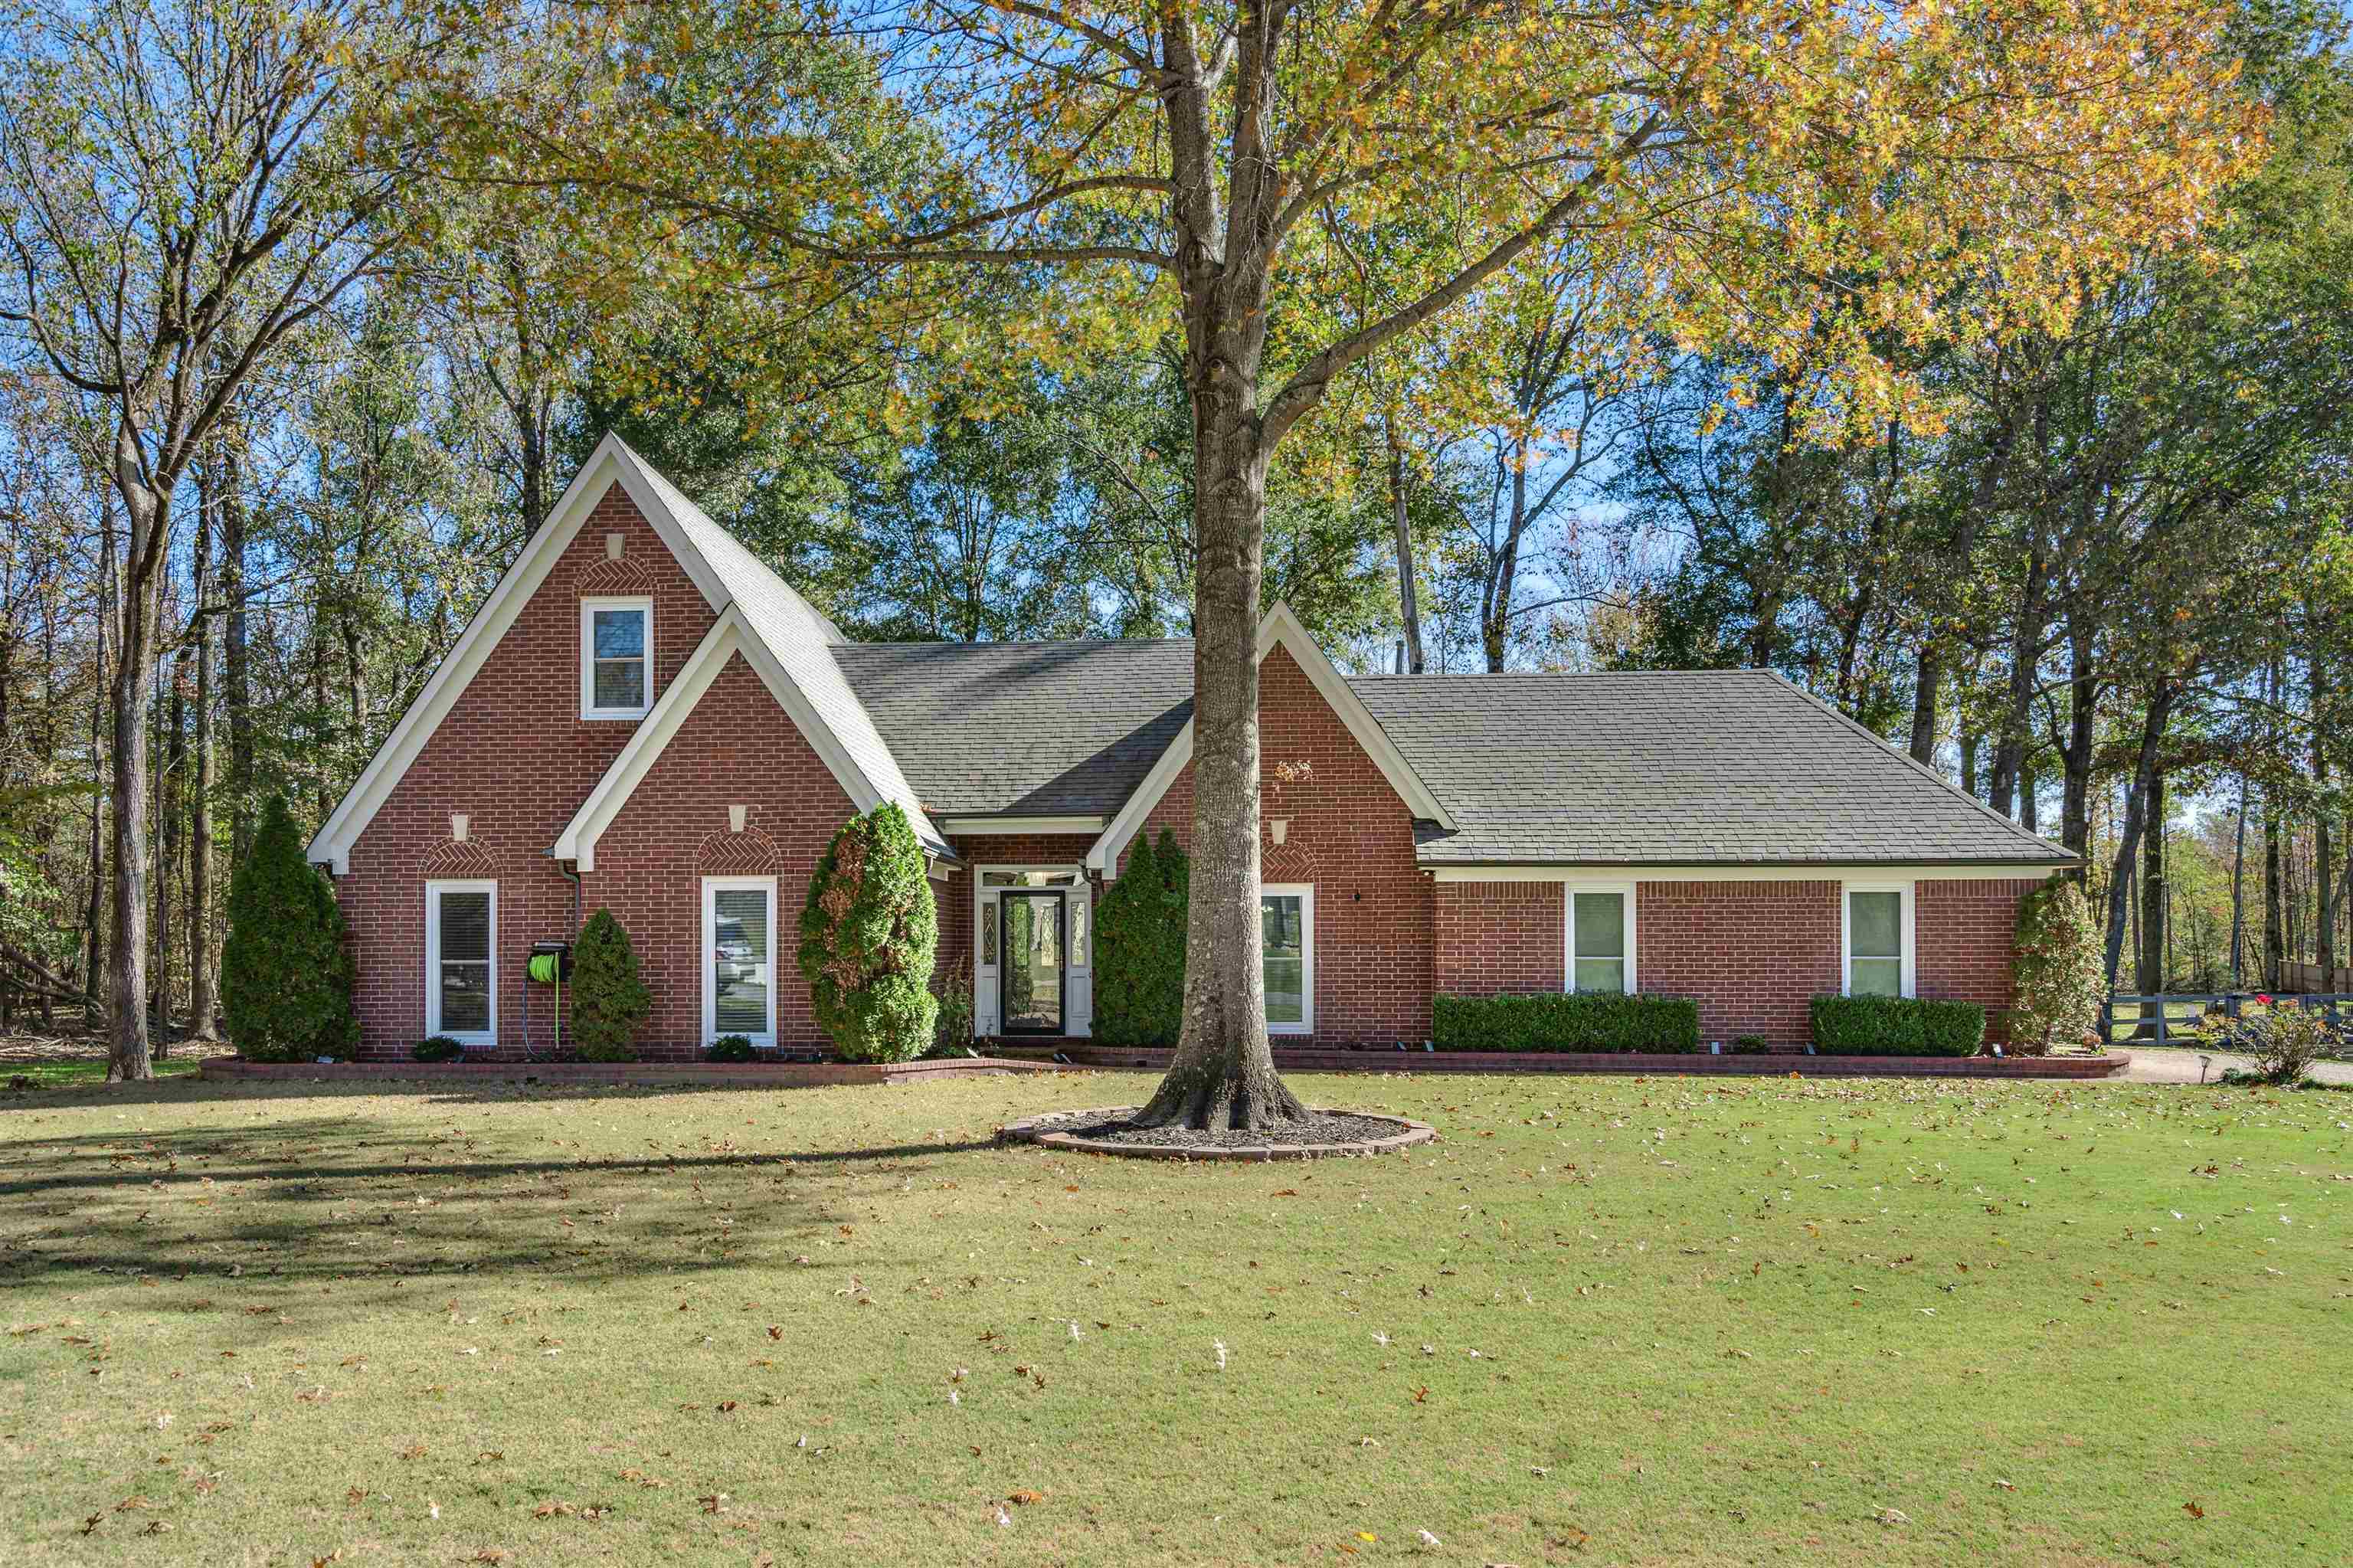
(1216, 1097)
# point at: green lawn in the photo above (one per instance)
(72, 1071)
(1626, 1321)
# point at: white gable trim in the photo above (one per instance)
(727, 637)
(1103, 855)
(1281, 628)
(611, 463)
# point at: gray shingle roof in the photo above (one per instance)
(803, 640)
(1672, 768)
(1024, 729)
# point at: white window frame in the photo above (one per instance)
(433, 892)
(1305, 893)
(589, 606)
(1569, 891)
(707, 964)
(1846, 932)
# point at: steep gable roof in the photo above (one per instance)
(1674, 768)
(796, 638)
(1280, 629)
(1024, 729)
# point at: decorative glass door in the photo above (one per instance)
(1032, 961)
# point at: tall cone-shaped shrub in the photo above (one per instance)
(285, 976)
(1140, 947)
(610, 1002)
(870, 934)
(2057, 972)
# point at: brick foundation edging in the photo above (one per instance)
(1409, 1132)
(708, 1074)
(1310, 1059)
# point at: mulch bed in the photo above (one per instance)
(1323, 1134)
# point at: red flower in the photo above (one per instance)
(2264, 1000)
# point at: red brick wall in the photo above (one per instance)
(1962, 933)
(1499, 937)
(1352, 838)
(514, 754)
(1753, 953)
(737, 747)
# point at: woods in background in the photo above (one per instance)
(277, 409)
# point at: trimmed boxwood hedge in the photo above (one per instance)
(1897, 1026)
(1572, 1020)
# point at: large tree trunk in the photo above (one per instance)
(1503, 572)
(2154, 901)
(2082, 715)
(2324, 926)
(1223, 1074)
(173, 724)
(1408, 598)
(203, 996)
(2275, 922)
(2017, 697)
(237, 680)
(2238, 893)
(147, 513)
(1928, 675)
(2136, 815)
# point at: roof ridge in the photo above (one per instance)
(1013, 642)
(1744, 671)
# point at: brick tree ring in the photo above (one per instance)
(1332, 1134)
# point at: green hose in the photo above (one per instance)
(548, 969)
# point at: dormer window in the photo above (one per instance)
(617, 660)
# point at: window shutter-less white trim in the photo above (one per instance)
(437, 937)
(593, 661)
(754, 968)
(1908, 984)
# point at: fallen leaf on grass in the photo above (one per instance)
(2193, 1510)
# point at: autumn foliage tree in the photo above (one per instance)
(1836, 185)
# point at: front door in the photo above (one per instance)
(1033, 962)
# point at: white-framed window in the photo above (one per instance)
(1600, 936)
(739, 957)
(1286, 915)
(1876, 920)
(616, 657)
(461, 962)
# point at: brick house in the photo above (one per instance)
(642, 716)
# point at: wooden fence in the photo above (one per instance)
(2298, 977)
(2175, 1017)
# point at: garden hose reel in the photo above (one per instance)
(550, 964)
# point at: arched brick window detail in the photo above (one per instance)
(1291, 861)
(748, 853)
(622, 577)
(451, 858)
